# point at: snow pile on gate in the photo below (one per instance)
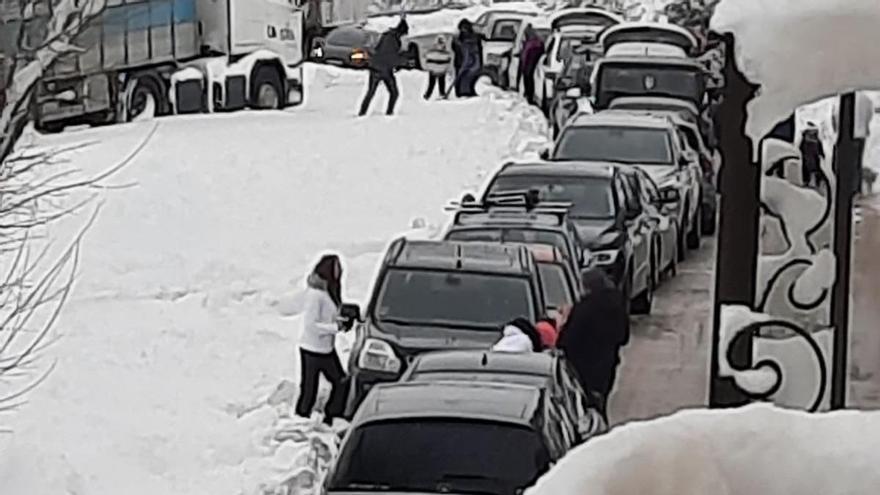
(756, 449)
(185, 314)
(800, 51)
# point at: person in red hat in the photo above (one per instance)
(546, 328)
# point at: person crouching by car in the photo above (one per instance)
(317, 346)
(518, 336)
(437, 62)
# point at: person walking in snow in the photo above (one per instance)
(812, 154)
(386, 58)
(468, 50)
(317, 346)
(437, 62)
(518, 336)
(596, 329)
(532, 50)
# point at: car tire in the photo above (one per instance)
(695, 236)
(672, 268)
(682, 242)
(709, 220)
(644, 302)
(144, 89)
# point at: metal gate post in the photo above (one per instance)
(737, 246)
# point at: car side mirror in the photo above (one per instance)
(544, 154)
(633, 213)
(687, 158)
(669, 196)
(350, 312)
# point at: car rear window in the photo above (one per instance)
(636, 145)
(349, 37)
(440, 456)
(591, 197)
(568, 45)
(505, 30)
(645, 80)
(410, 297)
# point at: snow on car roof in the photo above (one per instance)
(800, 51)
(621, 119)
(538, 363)
(642, 49)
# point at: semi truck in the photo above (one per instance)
(173, 57)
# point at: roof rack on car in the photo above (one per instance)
(518, 201)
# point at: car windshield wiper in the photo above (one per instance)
(365, 487)
(500, 485)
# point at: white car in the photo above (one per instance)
(652, 33)
(500, 32)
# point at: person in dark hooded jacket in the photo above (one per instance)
(386, 58)
(532, 50)
(596, 329)
(468, 61)
(812, 154)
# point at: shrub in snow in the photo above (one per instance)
(758, 449)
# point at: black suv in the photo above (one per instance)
(519, 216)
(450, 437)
(437, 295)
(547, 370)
(608, 214)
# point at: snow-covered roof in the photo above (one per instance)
(643, 32)
(800, 51)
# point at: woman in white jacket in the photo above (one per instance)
(317, 346)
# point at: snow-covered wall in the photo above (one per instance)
(800, 51)
(757, 450)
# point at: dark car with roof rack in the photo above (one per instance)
(438, 295)
(547, 370)
(450, 437)
(609, 216)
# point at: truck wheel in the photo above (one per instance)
(145, 99)
(267, 89)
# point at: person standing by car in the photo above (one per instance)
(468, 49)
(532, 50)
(317, 346)
(386, 59)
(437, 62)
(596, 329)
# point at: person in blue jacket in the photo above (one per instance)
(468, 49)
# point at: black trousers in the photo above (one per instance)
(312, 365)
(387, 78)
(529, 84)
(438, 80)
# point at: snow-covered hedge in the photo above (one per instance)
(758, 449)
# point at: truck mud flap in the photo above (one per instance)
(236, 93)
(190, 97)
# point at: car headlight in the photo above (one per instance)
(377, 355)
(606, 257)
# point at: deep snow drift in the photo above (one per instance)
(184, 316)
(756, 449)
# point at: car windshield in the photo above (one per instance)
(505, 30)
(645, 80)
(512, 234)
(348, 37)
(440, 456)
(644, 146)
(555, 283)
(476, 376)
(453, 299)
(591, 197)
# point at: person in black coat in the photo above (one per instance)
(386, 58)
(468, 50)
(812, 154)
(596, 328)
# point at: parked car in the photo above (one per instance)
(541, 25)
(572, 92)
(631, 34)
(661, 212)
(483, 24)
(559, 47)
(352, 46)
(434, 295)
(609, 216)
(549, 371)
(500, 33)
(518, 216)
(450, 437)
(692, 142)
(649, 142)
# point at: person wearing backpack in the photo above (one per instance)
(386, 58)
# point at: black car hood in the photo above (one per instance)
(590, 231)
(429, 338)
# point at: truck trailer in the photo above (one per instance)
(176, 57)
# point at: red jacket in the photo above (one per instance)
(548, 334)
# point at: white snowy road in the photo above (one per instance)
(184, 311)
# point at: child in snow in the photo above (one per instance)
(437, 62)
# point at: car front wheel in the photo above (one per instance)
(695, 234)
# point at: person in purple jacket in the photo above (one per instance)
(532, 50)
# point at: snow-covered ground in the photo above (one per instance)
(184, 317)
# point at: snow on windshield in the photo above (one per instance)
(800, 51)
